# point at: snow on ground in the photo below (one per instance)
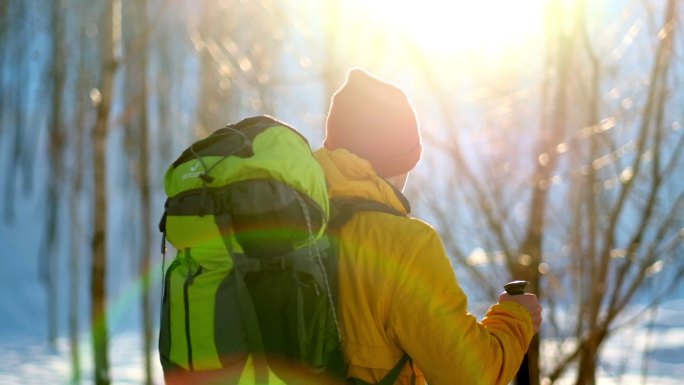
(33, 363)
(27, 361)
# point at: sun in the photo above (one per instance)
(451, 27)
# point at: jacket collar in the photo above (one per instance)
(349, 176)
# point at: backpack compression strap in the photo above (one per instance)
(254, 339)
(294, 260)
(342, 210)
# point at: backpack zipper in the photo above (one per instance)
(186, 303)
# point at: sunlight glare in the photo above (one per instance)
(449, 27)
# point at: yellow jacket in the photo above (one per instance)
(398, 292)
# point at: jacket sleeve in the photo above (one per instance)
(429, 318)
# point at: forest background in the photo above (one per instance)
(553, 153)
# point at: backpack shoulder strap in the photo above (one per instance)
(342, 209)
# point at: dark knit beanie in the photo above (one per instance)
(375, 121)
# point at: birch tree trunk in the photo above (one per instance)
(83, 108)
(99, 240)
(50, 263)
(139, 66)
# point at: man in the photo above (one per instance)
(398, 293)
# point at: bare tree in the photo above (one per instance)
(566, 179)
(634, 212)
(84, 113)
(138, 147)
(168, 70)
(57, 134)
(219, 65)
(109, 41)
(591, 217)
(17, 33)
(5, 20)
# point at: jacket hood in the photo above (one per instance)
(349, 176)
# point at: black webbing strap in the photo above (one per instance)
(249, 316)
(343, 209)
(393, 374)
(162, 228)
(201, 201)
(391, 377)
(299, 260)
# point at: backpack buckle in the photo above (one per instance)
(274, 263)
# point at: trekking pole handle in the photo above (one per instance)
(515, 287)
(523, 375)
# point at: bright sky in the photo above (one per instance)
(447, 27)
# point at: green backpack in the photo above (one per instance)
(251, 295)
